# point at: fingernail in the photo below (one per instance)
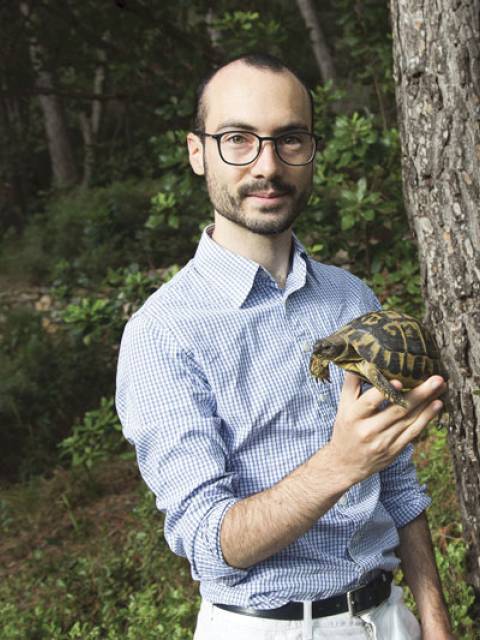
(436, 383)
(437, 405)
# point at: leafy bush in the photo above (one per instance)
(25, 256)
(364, 55)
(355, 216)
(101, 317)
(125, 586)
(96, 438)
(84, 233)
(96, 229)
(435, 469)
(51, 379)
(48, 379)
(241, 31)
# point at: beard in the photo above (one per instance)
(230, 206)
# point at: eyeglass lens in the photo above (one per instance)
(243, 147)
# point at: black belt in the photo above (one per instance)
(355, 601)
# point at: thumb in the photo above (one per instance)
(351, 389)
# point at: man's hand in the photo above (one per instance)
(366, 440)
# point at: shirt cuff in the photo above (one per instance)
(208, 562)
(411, 509)
(402, 495)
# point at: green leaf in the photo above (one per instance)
(348, 221)
(368, 214)
(361, 189)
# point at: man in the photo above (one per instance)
(290, 500)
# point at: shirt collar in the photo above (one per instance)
(233, 274)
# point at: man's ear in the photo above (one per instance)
(195, 153)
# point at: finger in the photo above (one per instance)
(431, 388)
(371, 400)
(435, 388)
(412, 415)
(351, 388)
(421, 395)
(405, 433)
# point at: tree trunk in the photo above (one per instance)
(89, 149)
(437, 75)
(90, 126)
(213, 33)
(13, 187)
(60, 150)
(319, 44)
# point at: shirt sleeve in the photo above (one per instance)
(168, 412)
(401, 494)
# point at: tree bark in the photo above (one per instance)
(437, 74)
(90, 126)
(319, 44)
(213, 33)
(61, 155)
(14, 186)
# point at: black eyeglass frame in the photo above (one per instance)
(217, 137)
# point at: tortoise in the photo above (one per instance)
(380, 346)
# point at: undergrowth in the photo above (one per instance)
(102, 571)
(83, 555)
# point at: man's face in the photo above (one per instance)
(267, 195)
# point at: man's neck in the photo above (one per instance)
(271, 252)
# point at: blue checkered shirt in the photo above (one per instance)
(214, 392)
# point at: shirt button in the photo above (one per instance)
(306, 347)
(343, 501)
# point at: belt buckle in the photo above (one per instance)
(351, 601)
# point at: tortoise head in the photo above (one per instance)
(324, 352)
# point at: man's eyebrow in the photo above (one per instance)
(244, 126)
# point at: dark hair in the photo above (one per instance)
(258, 60)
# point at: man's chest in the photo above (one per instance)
(256, 362)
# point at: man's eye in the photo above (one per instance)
(290, 140)
(236, 139)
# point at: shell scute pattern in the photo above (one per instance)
(379, 346)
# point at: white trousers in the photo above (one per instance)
(389, 621)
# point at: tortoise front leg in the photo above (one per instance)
(380, 382)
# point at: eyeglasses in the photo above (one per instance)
(239, 148)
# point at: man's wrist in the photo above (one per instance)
(325, 457)
(345, 475)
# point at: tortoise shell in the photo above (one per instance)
(380, 346)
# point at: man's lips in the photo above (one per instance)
(268, 195)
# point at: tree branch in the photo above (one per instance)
(317, 39)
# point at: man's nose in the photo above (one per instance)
(268, 162)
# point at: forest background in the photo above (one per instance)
(98, 207)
